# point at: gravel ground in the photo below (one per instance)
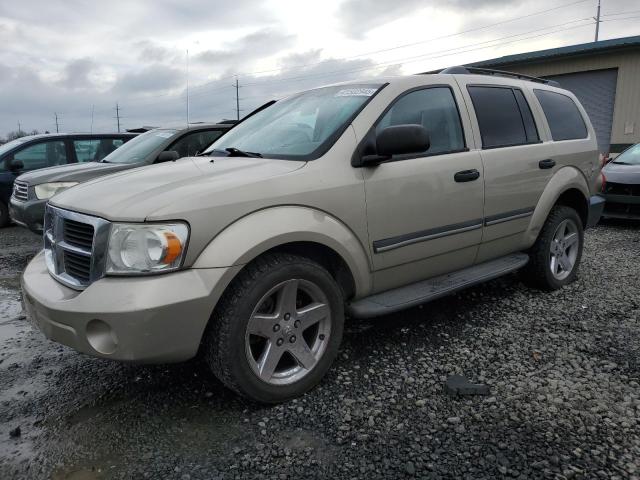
(563, 368)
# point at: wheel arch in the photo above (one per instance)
(567, 187)
(295, 229)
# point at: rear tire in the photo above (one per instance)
(4, 215)
(555, 257)
(277, 328)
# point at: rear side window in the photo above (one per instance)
(563, 116)
(504, 117)
(195, 142)
(93, 150)
(436, 110)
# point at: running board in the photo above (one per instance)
(427, 290)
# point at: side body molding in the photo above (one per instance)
(566, 178)
(248, 237)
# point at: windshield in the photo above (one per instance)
(299, 127)
(13, 143)
(138, 149)
(631, 156)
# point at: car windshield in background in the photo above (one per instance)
(298, 127)
(630, 156)
(137, 149)
(13, 143)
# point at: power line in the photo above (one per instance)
(620, 13)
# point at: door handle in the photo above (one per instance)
(467, 176)
(548, 163)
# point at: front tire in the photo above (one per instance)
(555, 257)
(277, 329)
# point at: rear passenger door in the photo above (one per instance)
(517, 164)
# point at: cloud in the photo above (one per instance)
(149, 79)
(76, 74)
(358, 17)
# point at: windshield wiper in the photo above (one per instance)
(235, 152)
(620, 163)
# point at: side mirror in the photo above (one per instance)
(167, 156)
(398, 140)
(15, 165)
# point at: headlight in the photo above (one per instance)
(48, 190)
(146, 248)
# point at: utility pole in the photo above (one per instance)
(57, 126)
(19, 127)
(118, 115)
(597, 19)
(92, 108)
(237, 100)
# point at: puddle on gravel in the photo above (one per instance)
(11, 316)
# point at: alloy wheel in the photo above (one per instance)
(564, 249)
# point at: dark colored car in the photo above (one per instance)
(622, 188)
(32, 190)
(35, 152)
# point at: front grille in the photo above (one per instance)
(78, 266)
(21, 190)
(74, 246)
(612, 188)
(78, 234)
(623, 209)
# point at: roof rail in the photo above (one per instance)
(460, 70)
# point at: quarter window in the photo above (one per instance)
(196, 142)
(41, 155)
(504, 117)
(563, 116)
(435, 109)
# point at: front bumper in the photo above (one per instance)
(621, 206)
(596, 205)
(157, 319)
(29, 214)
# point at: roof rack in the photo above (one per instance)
(501, 73)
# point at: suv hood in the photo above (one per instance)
(75, 172)
(172, 190)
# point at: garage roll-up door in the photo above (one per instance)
(596, 90)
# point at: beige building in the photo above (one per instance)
(604, 75)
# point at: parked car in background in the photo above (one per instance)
(32, 190)
(36, 152)
(363, 197)
(622, 188)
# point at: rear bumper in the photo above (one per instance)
(144, 319)
(29, 214)
(596, 206)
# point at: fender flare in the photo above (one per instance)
(262, 230)
(564, 179)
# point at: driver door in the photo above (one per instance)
(425, 210)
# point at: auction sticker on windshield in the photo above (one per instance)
(356, 92)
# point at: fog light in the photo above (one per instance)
(101, 337)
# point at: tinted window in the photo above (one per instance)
(527, 117)
(563, 115)
(40, 155)
(433, 108)
(499, 117)
(195, 142)
(95, 150)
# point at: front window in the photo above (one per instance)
(13, 143)
(300, 127)
(41, 155)
(138, 149)
(630, 156)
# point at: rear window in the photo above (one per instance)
(504, 116)
(563, 116)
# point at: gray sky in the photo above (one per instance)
(69, 56)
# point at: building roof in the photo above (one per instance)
(572, 50)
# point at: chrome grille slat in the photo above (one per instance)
(75, 245)
(21, 190)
